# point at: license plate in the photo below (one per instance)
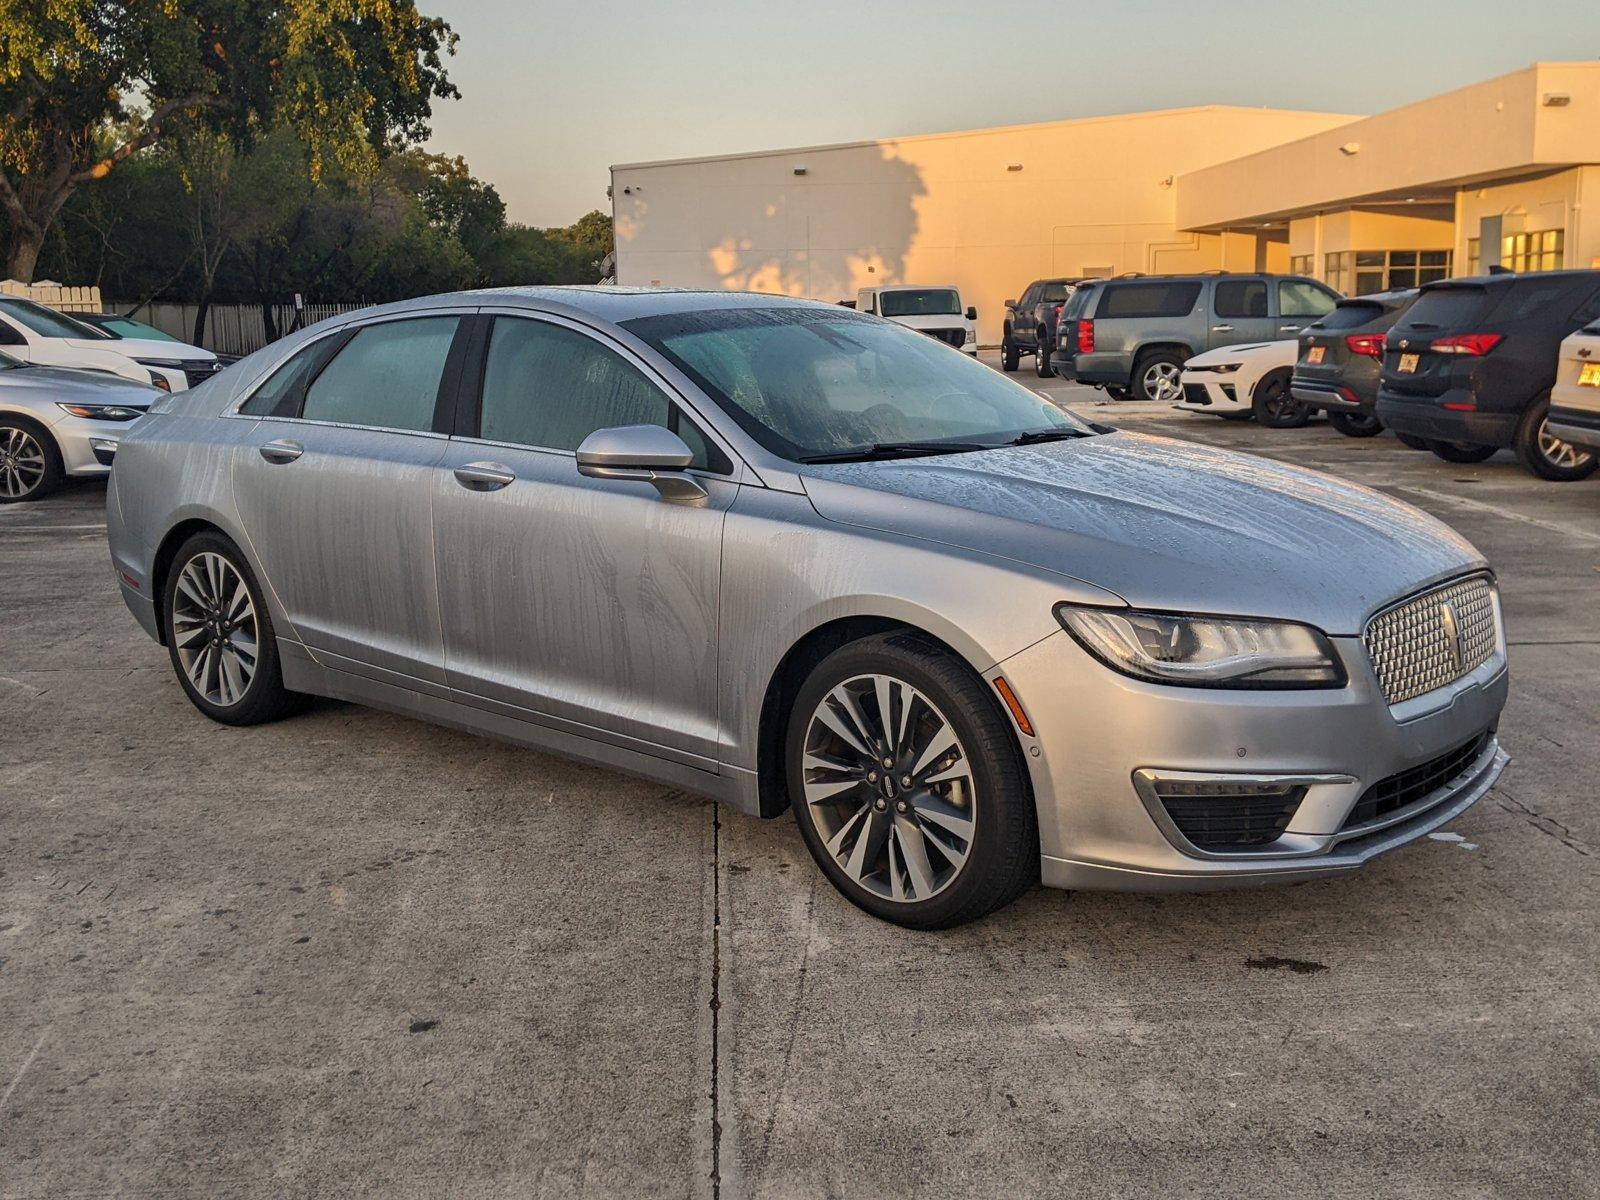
(1589, 375)
(1408, 363)
(1314, 355)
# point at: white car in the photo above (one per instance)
(1575, 399)
(935, 311)
(36, 334)
(1240, 382)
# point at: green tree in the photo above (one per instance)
(353, 76)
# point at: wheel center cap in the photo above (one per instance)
(887, 787)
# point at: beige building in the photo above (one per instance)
(1491, 174)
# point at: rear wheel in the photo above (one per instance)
(908, 785)
(1548, 456)
(30, 464)
(1412, 442)
(1114, 392)
(1041, 357)
(1273, 405)
(1010, 356)
(1460, 452)
(1356, 425)
(1155, 375)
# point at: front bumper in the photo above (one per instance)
(1098, 731)
(1427, 418)
(88, 447)
(1210, 392)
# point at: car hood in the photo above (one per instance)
(1287, 351)
(1161, 523)
(66, 384)
(145, 348)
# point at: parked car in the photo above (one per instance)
(935, 311)
(1341, 356)
(777, 553)
(36, 334)
(1575, 399)
(1031, 322)
(56, 423)
(1240, 382)
(1470, 366)
(1137, 332)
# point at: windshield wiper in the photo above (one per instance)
(894, 450)
(1030, 436)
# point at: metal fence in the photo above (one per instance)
(230, 328)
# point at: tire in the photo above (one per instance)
(1116, 392)
(1411, 442)
(1041, 356)
(1273, 405)
(1010, 356)
(1457, 452)
(930, 889)
(30, 462)
(1355, 425)
(1246, 415)
(1550, 457)
(1155, 375)
(206, 566)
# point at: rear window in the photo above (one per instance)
(1446, 308)
(1156, 299)
(1078, 301)
(1349, 314)
(1055, 293)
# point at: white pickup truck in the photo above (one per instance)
(935, 311)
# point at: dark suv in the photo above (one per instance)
(1031, 323)
(1132, 334)
(1470, 366)
(1341, 357)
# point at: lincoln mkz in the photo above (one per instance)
(791, 556)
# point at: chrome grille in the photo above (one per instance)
(1434, 639)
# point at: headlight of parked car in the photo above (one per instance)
(1220, 652)
(102, 412)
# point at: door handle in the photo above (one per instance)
(485, 476)
(282, 451)
(1222, 329)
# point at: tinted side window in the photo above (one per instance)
(280, 395)
(1533, 298)
(1163, 299)
(1241, 298)
(387, 376)
(1297, 298)
(1589, 310)
(550, 387)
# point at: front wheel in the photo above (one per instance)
(1355, 425)
(1041, 357)
(908, 784)
(1275, 407)
(1411, 442)
(1010, 356)
(30, 464)
(1546, 455)
(1460, 452)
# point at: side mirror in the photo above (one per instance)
(847, 304)
(972, 313)
(1011, 303)
(649, 453)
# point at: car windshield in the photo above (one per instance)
(125, 327)
(46, 322)
(804, 382)
(921, 302)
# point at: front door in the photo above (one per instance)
(1240, 313)
(591, 602)
(335, 492)
(1301, 302)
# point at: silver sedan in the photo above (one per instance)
(57, 423)
(794, 557)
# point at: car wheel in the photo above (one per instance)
(1458, 452)
(1010, 356)
(908, 784)
(1115, 392)
(1246, 415)
(1548, 456)
(1041, 357)
(1356, 425)
(1155, 375)
(219, 635)
(30, 464)
(1411, 442)
(1275, 407)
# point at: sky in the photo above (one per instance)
(555, 91)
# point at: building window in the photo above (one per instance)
(1540, 251)
(1362, 272)
(1301, 264)
(1474, 256)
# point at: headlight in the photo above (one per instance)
(159, 381)
(103, 412)
(1225, 368)
(972, 336)
(1221, 652)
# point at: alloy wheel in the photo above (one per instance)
(1161, 381)
(214, 629)
(22, 463)
(1560, 454)
(889, 788)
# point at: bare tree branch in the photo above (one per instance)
(146, 136)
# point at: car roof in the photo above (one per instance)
(605, 302)
(1507, 278)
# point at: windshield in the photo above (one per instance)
(46, 322)
(804, 382)
(922, 302)
(124, 327)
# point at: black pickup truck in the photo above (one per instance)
(1031, 323)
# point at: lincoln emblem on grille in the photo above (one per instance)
(1452, 634)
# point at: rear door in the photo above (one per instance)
(1444, 310)
(1240, 312)
(1298, 303)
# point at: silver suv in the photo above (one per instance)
(1132, 334)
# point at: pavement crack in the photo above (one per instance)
(794, 1026)
(716, 1000)
(1548, 826)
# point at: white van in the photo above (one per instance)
(47, 338)
(935, 311)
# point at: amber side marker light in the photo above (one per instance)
(1010, 697)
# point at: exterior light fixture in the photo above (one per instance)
(1013, 166)
(1350, 148)
(1557, 99)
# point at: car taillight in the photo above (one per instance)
(1085, 337)
(1056, 312)
(1474, 344)
(1369, 344)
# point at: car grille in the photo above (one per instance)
(956, 337)
(1231, 822)
(199, 374)
(1428, 642)
(1400, 791)
(1195, 393)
